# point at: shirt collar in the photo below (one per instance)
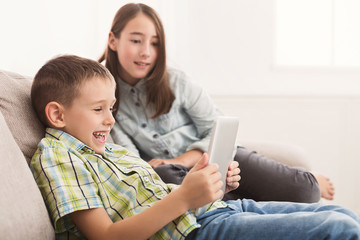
(127, 88)
(70, 141)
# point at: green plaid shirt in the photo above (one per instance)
(72, 177)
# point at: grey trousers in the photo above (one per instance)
(262, 179)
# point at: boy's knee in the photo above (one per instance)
(342, 226)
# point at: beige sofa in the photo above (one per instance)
(23, 214)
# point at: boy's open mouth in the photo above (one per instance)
(100, 136)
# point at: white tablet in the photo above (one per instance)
(222, 145)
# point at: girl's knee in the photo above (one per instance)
(307, 190)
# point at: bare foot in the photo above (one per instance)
(326, 186)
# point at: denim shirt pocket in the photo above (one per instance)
(127, 125)
(169, 121)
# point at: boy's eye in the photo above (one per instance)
(135, 41)
(97, 109)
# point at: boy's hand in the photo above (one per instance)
(233, 177)
(202, 184)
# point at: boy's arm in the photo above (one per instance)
(189, 159)
(233, 177)
(199, 187)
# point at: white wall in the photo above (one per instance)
(228, 47)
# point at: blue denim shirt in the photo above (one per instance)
(185, 127)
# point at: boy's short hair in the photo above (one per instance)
(59, 80)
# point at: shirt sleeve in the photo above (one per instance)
(65, 183)
(122, 139)
(201, 109)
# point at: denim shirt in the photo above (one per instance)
(185, 127)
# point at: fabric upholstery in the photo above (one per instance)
(23, 212)
(15, 106)
(285, 153)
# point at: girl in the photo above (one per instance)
(167, 119)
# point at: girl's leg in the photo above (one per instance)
(172, 173)
(263, 179)
(277, 220)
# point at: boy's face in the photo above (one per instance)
(89, 117)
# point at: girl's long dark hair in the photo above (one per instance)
(159, 94)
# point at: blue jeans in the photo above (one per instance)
(247, 219)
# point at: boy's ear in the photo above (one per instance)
(54, 114)
(112, 41)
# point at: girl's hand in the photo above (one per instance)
(233, 177)
(202, 184)
(155, 162)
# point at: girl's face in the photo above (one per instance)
(137, 48)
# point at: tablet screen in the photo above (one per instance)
(222, 147)
(222, 144)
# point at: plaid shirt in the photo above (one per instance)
(72, 177)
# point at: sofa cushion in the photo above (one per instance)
(16, 107)
(23, 212)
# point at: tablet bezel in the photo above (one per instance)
(222, 144)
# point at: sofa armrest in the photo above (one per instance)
(288, 154)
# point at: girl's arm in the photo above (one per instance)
(201, 186)
(188, 159)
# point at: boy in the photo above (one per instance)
(98, 190)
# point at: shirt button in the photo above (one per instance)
(132, 90)
(137, 104)
(155, 135)
(143, 125)
(166, 152)
(146, 179)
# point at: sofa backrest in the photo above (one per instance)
(15, 105)
(23, 212)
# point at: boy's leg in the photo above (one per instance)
(248, 205)
(263, 179)
(248, 219)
